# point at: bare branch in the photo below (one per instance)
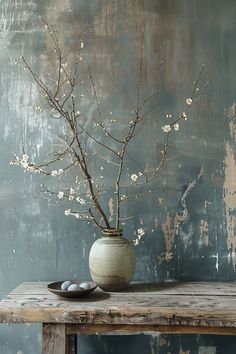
(100, 122)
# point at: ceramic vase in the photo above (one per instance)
(112, 261)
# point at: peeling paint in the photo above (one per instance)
(186, 235)
(216, 256)
(110, 207)
(231, 114)
(152, 345)
(169, 229)
(190, 186)
(163, 341)
(207, 350)
(203, 232)
(181, 351)
(229, 188)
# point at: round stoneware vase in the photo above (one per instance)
(112, 261)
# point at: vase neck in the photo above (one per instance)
(112, 232)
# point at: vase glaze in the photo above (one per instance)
(112, 261)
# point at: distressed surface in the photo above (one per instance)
(189, 221)
(168, 307)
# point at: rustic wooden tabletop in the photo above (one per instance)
(192, 304)
(171, 307)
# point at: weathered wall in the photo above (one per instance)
(198, 182)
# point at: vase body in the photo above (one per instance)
(112, 261)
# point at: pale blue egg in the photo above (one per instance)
(66, 284)
(84, 285)
(74, 287)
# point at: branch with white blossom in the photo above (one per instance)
(65, 101)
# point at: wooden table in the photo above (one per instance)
(143, 308)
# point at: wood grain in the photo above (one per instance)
(165, 306)
(56, 341)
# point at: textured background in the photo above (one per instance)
(198, 181)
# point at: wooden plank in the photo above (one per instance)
(174, 288)
(55, 340)
(25, 304)
(165, 315)
(184, 288)
(146, 329)
(114, 302)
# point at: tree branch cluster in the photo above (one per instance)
(64, 102)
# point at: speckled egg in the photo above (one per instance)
(84, 285)
(74, 287)
(65, 285)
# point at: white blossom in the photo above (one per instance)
(24, 162)
(67, 212)
(134, 177)
(38, 108)
(189, 101)
(176, 126)
(184, 115)
(141, 231)
(24, 165)
(77, 215)
(80, 200)
(57, 173)
(72, 191)
(60, 195)
(81, 45)
(25, 158)
(166, 128)
(71, 197)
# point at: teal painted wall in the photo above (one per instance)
(198, 181)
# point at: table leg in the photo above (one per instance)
(56, 341)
